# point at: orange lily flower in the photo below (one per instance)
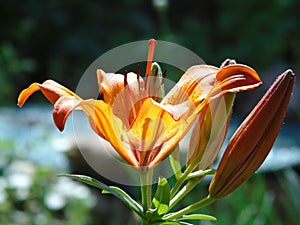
(142, 130)
(254, 139)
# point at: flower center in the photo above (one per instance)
(137, 89)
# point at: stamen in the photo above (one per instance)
(125, 78)
(151, 48)
(138, 72)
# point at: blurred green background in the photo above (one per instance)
(60, 39)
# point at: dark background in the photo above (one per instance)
(59, 39)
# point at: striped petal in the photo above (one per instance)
(107, 126)
(152, 128)
(235, 78)
(51, 90)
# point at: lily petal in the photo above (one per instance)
(111, 85)
(152, 128)
(210, 132)
(194, 84)
(24, 95)
(122, 94)
(184, 124)
(51, 90)
(203, 81)
(235, 78)
(215, 111)
(108, 126)
(62, 109)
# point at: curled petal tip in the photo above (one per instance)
(62, 109)
(236, 78)
(26, 93)
(100, 74)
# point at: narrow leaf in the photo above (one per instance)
(167, 223)
(123, 194)
(161, 198)
(184, 223)
(197, 217)
(117, 192)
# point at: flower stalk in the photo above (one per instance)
(146, 189)
(191, 208)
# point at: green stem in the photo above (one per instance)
(146, 189)
(180, 181)
(194, 178)
(182, 193)
(200, 204)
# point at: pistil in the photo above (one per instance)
(151, 48)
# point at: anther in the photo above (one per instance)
(138, 72)
(125, 78)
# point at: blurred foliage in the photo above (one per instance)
(59, 39)
(264, 199)
(32, 193)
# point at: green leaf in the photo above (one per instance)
(161, 198)
(197, 217)
(124, 195)
(184, 223)
(167, 223)
(172, 223)
(117, 192)
(175, 162)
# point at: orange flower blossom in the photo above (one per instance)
(139, 127)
